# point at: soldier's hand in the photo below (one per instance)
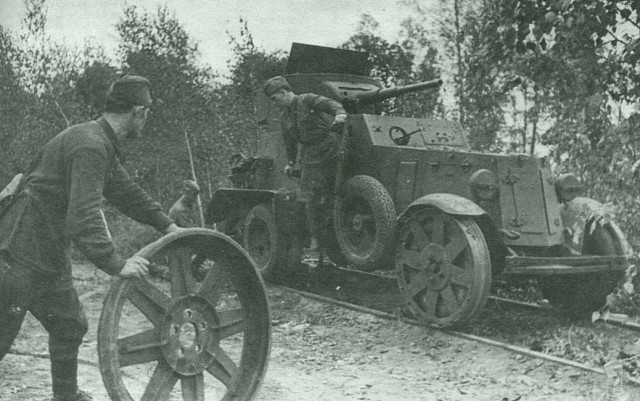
(135, 267)
(288, 169)
(339, 119)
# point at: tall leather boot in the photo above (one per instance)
(315, 218)
(64, 379)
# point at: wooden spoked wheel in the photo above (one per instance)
(443, 267)
(173, 337)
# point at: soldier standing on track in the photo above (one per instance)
(307, 120)
(60, 203)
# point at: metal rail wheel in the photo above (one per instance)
(580, 294)
(443, 267)
(178, 338)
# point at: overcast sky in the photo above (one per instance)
(273, 23)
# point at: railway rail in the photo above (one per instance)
(337, 282)
(395, 313)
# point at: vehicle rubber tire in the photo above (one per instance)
(273, 252)
(580, 295)
(364, 219)
(328, 240)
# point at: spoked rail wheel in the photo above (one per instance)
(443, 267)
(580, 295)
(178, 338)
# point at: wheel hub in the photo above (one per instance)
(433, 257)
(357, 222)
(186, 333)
(259, 243)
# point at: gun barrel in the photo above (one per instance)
(386, 93)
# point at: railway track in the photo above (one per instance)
(378, 295)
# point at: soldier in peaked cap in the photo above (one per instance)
(307, 120)
(59, 203)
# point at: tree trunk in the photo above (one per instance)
(534, 130)
(459, 39)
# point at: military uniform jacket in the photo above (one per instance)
(182, 214)
(62, 200)
(308, 120)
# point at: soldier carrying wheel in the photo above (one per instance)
(59, 203)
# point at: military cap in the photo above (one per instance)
(190, 186)
(275, 83)
(131, 90)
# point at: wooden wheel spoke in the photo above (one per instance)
(140, 348)
(223, 367)
(457, 244)
(212, 286)
(416, 229)
(411, 259)
(231, 322)
(431, 303)
(451, 283)
(461, 276)
(193, 388)
(437, 229)
(449, 299)
(168, 335)
(161, 383)
(152, 302)
(417, 285)
(182, 282)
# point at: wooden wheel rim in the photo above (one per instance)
(172, 315)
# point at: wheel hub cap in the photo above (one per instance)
(259, 243)
(433, 257)
(186, 333)
(357, 222)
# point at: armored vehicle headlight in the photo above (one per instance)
(568, 187)
(484, 184)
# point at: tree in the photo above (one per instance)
(249, 68)
(14, 103)
(42, 75)
(158, 47)
(396, 64)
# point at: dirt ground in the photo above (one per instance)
(322, 352)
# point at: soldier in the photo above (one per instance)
(182, 212)
(60, 203)
(307, 120)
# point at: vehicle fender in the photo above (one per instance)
(448, 203)
(579, 213)
(457, 205)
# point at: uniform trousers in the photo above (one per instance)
(317, 184)
(56, 306)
